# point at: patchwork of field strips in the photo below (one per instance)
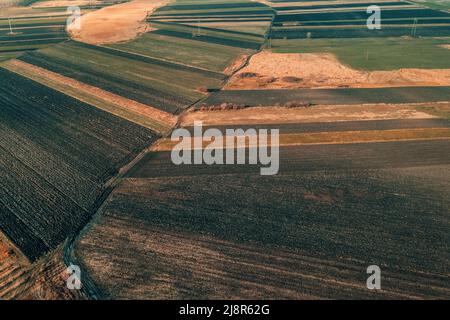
(348, 20)
(31, 28)
(78, 120)
(57, 154)
(205, 35)
(157, 83)
(29, 33)
(242, 16)
(131, 110)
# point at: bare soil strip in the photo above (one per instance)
(131, 110)
(268, 70)
(117, 23)
(295, 139)
(280, 115)
(65, 3)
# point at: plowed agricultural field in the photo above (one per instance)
(150, 81)
(310, 232)
(56, 156)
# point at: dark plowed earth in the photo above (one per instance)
(56, 155)
(314, 158)
(301, 234)
(341, 126)
(339, 96)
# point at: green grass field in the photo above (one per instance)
(223, 231)
(376, 53)
(435, 4)
(187, 51)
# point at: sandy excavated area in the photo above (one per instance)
(268, 70)
(116, 23)
(279, 115)
(64, 3)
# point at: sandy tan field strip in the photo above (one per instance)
(115, 23)
(131, 110)
(268, 70)
(65, 3)
(279, 115)
(296, 139)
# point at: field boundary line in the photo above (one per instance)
(69, 256)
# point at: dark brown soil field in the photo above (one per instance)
(305, 158)
(56, 156)
(342, 96)
(309, 232)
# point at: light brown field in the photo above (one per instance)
(323, 70)
(64, 3)
(115, 23)
(131, 110)
(275, 115)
